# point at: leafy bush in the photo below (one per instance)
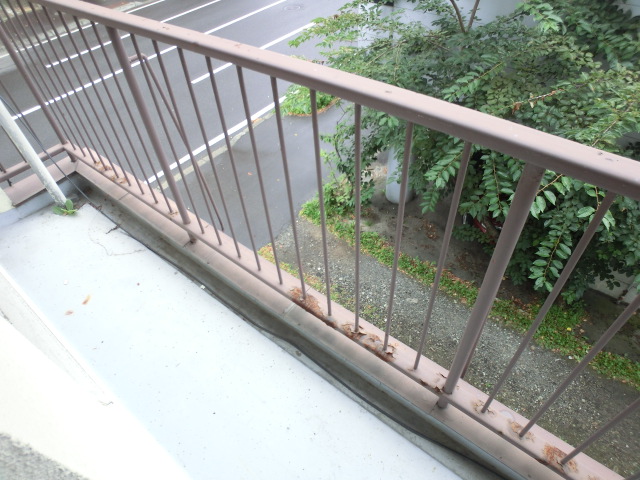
(573, 72)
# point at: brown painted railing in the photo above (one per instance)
(118, 92)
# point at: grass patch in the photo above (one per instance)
(297, 101)
(560, 331)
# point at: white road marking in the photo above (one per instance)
(84, 52)
(166, 50)
(244, 17)
(158, 175)
(62, 35)
(263, 47)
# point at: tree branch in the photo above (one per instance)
(473, 15)
(458, 15)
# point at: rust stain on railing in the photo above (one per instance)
(538, 149)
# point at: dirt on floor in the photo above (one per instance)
(589, 402)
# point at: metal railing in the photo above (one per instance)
(127, 97)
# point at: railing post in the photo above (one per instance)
(525, 194)
(32, 86)
(123, 59)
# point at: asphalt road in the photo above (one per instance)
(267, 24)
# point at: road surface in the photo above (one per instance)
(267, 24)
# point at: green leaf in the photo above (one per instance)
(585, 212)
(550, 196)
(566, 181)
(535, 210)
(544, 252)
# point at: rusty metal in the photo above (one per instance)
(538, 150)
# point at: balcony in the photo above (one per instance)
(214, 358)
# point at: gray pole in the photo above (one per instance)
(29, 154)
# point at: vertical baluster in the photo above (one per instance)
(134, 123)
(603, 429)
(95, 117)
(203, 132)
(232, 159)
(287, 179)
(148, 123)
(256, 157)
(599, 345)
(453, 210)
(12, 50)
(514, 223)
(204, 188)
(358, 199)
(555, 292)
(323, 219)
(399, 226)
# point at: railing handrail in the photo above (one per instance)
(539, 148)
(196, 198)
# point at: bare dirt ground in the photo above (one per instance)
(588, 403)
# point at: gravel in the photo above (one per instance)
(588, 402)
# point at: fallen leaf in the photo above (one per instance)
(86, 300)
(69, 312)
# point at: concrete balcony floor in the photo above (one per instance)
(174, 380)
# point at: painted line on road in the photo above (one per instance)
(151, 57)
(263, 47)
(180, 176)
(62, 35)
(244, 17)
(214, 140)
(209, 32)
(67, 94)
(97, 47)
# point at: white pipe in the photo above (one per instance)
(29, 154)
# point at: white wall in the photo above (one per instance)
(489, 9)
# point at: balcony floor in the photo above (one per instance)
(223, 399)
